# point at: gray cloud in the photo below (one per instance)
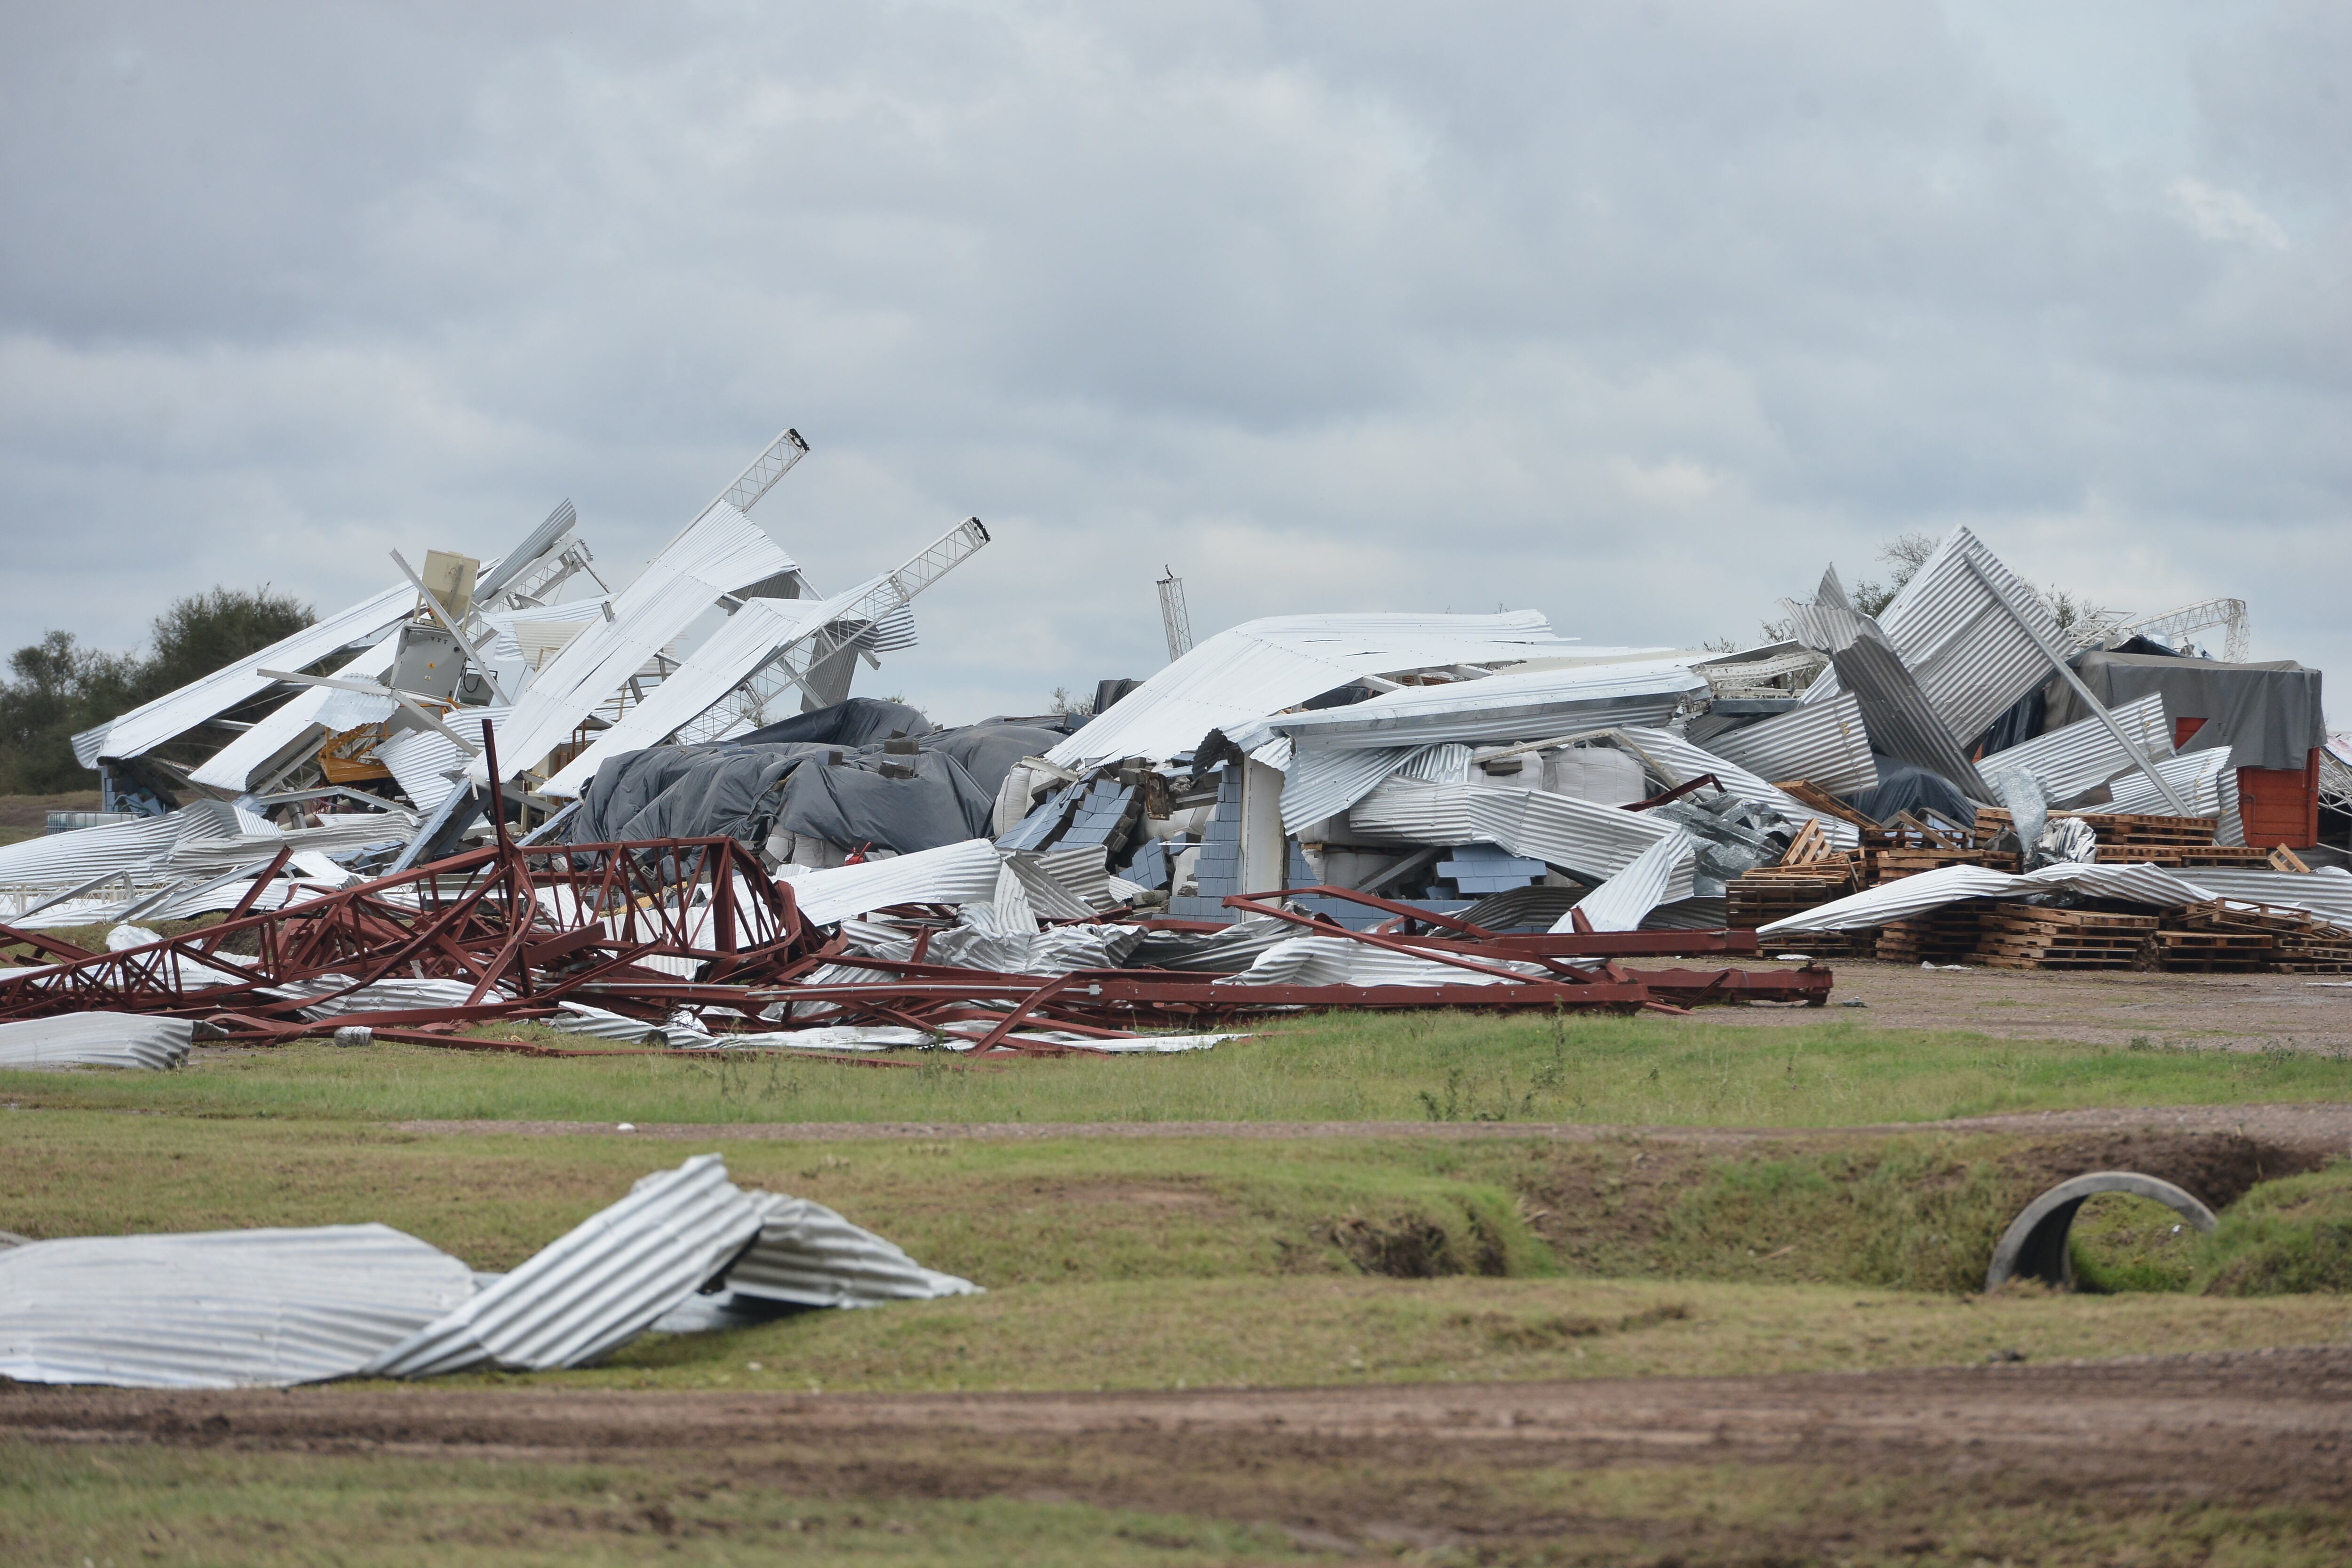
(1634, 315)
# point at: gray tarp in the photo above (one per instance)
(747, 788)
(861, 721)
(2267, 714)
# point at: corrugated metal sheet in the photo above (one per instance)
(1689, 914)
(396, 995)
(1687, 762)
(237, 765)
(811, 1257)
(221, 1308)
(523, 556)
(1823, 743)
(1903, 722)
(428, 766)
(97, 1040)
(1970, 660)
(750, 637)
(1336, 960)
(1908, 896)
(1593, 840)
(1513, 705)
(336, 831)
(2327, 893)
(961, 873)
(1625, 899)
(136, 849)
(150, 724)
(528, 635)
(2075, 757)
(1323, 783)
(2204, 779)
(720, 551)
(1265, 666)
(1227, 952)
(598, 1286)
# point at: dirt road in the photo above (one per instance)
(2235, 1012)
(1360, 1467)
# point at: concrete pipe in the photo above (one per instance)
(2035, 1245)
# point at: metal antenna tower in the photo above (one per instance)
(1174, 618)
(2228, 614)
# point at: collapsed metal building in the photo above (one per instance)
(658, 810)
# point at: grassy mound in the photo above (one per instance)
(2284, 1237)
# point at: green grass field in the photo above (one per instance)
(1462, 1068)
(1216, 1261)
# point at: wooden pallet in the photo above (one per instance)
(2291, 941)
(1888, 864)
(2029, 936)
(1770, 893)
(1948, 935)
(2115, 827)
(2223, 856)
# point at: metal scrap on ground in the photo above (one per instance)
(685, 1250)
(656, 819)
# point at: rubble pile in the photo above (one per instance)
(654, 816)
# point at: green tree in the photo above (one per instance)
(57, 687)
(1904, 555)
(206, 631)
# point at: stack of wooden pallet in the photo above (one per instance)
(1909, 860)
(1812, 873)
(2028, 936)
(2231, 857)
(1774, 893)
(2127, 838)
(1948, 935)
(2211, 938)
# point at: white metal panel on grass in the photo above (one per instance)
(97, 1041)
(811, 1257)
(599, 1285)
(219, 1308)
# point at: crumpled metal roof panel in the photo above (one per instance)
(97, 1040)
(1513, 705)
(2071, 758)
(1823, 743)
(962, 873)
(598, 1286)
(221, 1308)
(150, 724)
(1265, 666)
(1970, 657)
(811, 1257)
(719, 552)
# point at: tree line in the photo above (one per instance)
(59, 685)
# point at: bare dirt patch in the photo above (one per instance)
(2237, 1011)
(1350, 1469)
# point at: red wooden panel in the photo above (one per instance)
(2184, 728)
(2280, 805)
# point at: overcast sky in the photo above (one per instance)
(1638, 314)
